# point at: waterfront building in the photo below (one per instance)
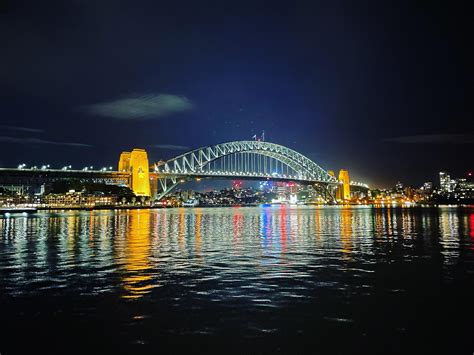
(14, 199)
(282, 191)
(78, 199)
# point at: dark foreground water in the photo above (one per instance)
(277, 279)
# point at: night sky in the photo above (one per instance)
(383, 90)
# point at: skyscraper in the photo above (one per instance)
(444, 181)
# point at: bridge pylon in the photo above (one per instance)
(136, 163)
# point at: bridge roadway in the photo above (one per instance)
(12, 176)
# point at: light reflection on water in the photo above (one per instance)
(141, 245)
(236, 260)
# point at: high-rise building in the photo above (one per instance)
(444, 181)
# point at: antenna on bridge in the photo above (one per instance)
(263, 136)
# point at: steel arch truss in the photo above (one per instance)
(198, 163)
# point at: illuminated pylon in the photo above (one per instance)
(344, 190)
(136, 163)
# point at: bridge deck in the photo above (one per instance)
(12, 176)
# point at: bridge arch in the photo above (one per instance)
(197, 163)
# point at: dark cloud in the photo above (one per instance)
(434, 138)
(144, 106)
(170, 146)
(40, 141)
(22, 129)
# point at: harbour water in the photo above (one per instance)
(250, 279)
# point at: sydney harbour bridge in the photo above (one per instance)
(250, 159)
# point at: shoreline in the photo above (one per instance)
(7, 210)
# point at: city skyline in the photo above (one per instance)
(385, 99)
